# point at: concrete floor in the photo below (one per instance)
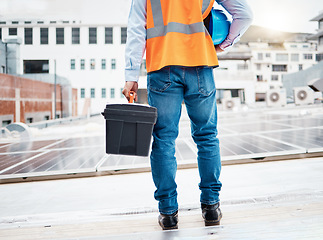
(269, 200)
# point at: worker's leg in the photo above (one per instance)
(200, 101)
(165, 92)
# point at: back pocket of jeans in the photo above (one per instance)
(206, 81)
(159, 80)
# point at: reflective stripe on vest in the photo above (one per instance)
(160, 29)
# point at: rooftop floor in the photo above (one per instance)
(266, 200)
(270, 200)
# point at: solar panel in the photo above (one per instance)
(25, 146)
(242, 135)
(61, 160)
(80, 142)
(8, 160)
(311, 138)
(247, 127)
(254, 146)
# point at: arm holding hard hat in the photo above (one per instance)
(241, 19)
(136, 36)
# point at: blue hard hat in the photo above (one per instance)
(219, 26)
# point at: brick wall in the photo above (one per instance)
(23, 98)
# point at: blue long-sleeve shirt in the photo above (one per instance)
(136, 33)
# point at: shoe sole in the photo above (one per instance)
(214, 222)
(211, 223)
(168, 228)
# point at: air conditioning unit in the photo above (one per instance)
(276, 97)
(303, 95)
(231, 103)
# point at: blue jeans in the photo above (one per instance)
(167, 88)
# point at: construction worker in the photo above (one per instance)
(180, 57)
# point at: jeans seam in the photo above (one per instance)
(210, 203)
(168, 212)
(198, 80)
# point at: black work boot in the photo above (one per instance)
(168, 221)
(211, 214)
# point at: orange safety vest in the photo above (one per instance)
(176, 34)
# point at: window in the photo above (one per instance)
(12, 31)
(320, 40)
(103, 93)
(259, 78)
(112, 93)
(293, 46)
(279, 68)
(305, 46)
(123, 35)
(92, 63)
(121, 94)
(103, 64)
(82, 93)
(308, 56)
(75, 35)
(243, 66)
(319, 57)
(59, 35)
(44, 36)
(108, 35)
(92, 92)
(5, 123)
(29, 120)
(260, 56)
(281, 57)
(321, 24)
(0, 33)
(36, 66)
(300, 67)
(268, 55)
(113, 63)
(82, 64)
(258, 66)
(72, 64)
(274, 77)
(294, 57)
(92, 36)
(28, 36)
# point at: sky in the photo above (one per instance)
(284, 15)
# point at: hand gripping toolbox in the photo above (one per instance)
(129, 128)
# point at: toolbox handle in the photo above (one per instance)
(132, 96)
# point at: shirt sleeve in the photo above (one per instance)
(241, 19)
(136, 39)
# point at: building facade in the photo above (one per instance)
(90, 56)
(319, 35)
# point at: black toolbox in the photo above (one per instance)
(129, 128)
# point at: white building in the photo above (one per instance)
(319, 35)
(91, 56)
(270, 57)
